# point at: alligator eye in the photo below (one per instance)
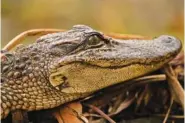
(93, 40)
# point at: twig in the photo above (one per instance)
(123, 105)
(175, 87)
(169, 109)
(101, 113)
(91, 115)
(23, 35)
(170, 116)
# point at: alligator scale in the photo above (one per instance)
(65, 66)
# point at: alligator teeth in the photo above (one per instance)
(57, 88)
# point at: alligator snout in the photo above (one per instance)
(169, 42)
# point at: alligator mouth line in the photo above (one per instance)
(147, 62)
(155, 63)
(113, 67)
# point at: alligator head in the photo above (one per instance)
(64, 66)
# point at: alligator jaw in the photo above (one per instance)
(127, 52)
(94, 69)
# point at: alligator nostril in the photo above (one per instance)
(168, 40)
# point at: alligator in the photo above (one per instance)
(65, 66)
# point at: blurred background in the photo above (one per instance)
(143, 17)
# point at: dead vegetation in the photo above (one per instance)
(158, 97)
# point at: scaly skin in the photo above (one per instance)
(65, 66)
